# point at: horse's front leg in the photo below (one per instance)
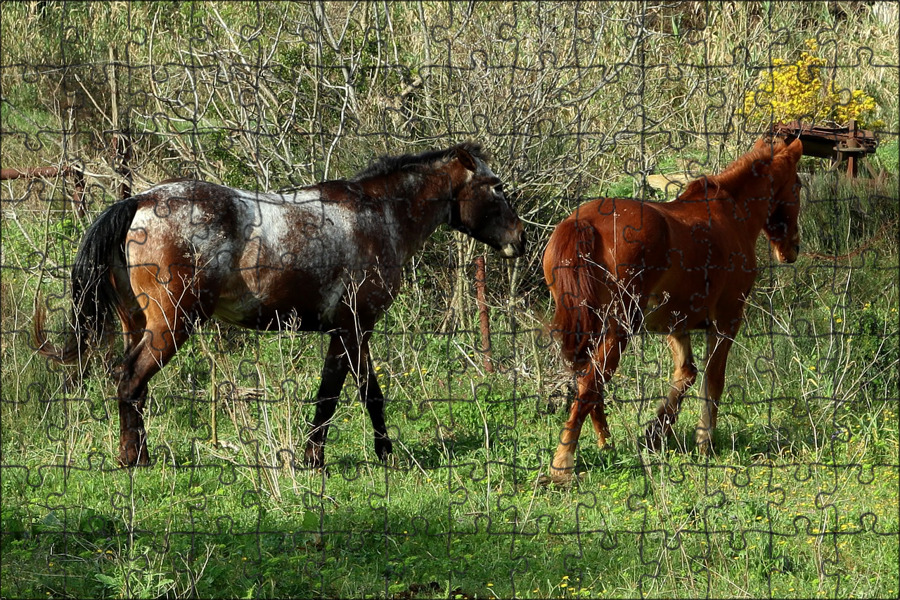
(601, 428)
(682, 378)
(334, 372)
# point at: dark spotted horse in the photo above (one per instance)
(616, 266)
(329, 257)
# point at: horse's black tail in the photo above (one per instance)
(94, 295)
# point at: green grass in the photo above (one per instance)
(800, 500)
(470, 522)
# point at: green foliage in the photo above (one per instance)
(840, 214)
(797, 91)
(887, 155)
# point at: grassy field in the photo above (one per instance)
(799, 501)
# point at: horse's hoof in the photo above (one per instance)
(560, 479)
(126, 463)
(562, 467)
(383, 448)
(544, 480)
(653, 439)
(131, 457)
(657, 433)
(705, 447)
(315, 467)
(314, 458)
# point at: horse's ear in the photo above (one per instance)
(466, 159)
(761, 143)
(795, 149)
(774, 143)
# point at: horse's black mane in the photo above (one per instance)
(385, 165)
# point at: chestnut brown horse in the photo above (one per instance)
(329, 256)
(617, 265)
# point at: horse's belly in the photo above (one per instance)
(296, 299)
(658, 320)
(268, 298)
(675, 305)
(268, 319)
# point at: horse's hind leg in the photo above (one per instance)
(142, 363)
(132, 438)
(682, 378)
(717, 347)
(588, 402)
(164, 322)
(132, 435)
(156, 348)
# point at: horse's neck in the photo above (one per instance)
(748, 200)
(421, 204)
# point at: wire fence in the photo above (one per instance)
(573, 101)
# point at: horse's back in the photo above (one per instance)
(683, 235)
(627, 234)
(252, 259)
(185, 221)
(687, 265)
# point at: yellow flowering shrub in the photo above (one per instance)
(798, 90)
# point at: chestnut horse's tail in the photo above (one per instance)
(94, 294)
(577, 284)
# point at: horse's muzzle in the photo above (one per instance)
(514, 249)
(788, 255)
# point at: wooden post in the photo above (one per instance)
(122, 148)
(214, 405)
(121, 141)
(852, 166)
(483, 314)
(78, 200)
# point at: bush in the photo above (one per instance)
(800, 91)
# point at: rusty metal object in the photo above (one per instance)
(484, 316)
(73, 171)
(837, 143)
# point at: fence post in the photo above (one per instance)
(78, 193)
(122, 147)
(483, 314)
(852, 167)
(121, 140)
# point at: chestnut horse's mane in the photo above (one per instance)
(731, 178)
(386, 165)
